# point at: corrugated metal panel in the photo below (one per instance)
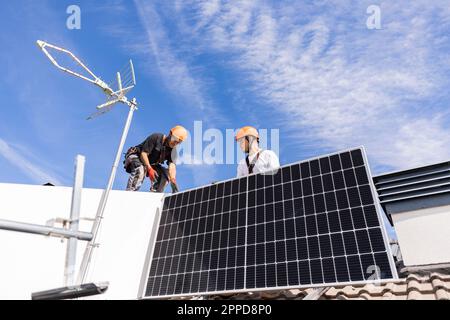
(412, 189)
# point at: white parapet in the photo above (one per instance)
(424, 235)
(31, 263)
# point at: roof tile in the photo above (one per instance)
(414, 287)
(442, 294)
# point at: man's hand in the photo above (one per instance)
(151, 173)
(174, 187)
(173, 184)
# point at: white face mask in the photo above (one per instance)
(242, 143)
(174, 142)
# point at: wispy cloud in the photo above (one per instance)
(177, 73)
(20, 161)
(333, 81)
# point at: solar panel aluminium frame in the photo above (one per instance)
(153, 236)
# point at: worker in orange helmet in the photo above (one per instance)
(257, 160)
(146, 159)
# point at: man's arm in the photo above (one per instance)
(151, 173)
(172, 172)
(241, 170)
(144, 158)
(272, 160)
(172, 177)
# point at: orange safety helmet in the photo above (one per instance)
(179, 132)
(247, 131)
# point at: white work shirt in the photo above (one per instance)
(267, 161)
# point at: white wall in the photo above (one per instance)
(424, 235)
(30, 263)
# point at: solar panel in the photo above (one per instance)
(313, 223)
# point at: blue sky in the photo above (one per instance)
(311, 69)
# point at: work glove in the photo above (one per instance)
(152, 174)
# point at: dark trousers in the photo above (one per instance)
(161, 182)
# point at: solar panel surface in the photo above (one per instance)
(311, 223)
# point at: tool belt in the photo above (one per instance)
(131, 159)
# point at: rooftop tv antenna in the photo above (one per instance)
(125, 82)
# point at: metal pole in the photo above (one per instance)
(101, 208)
(71, 254)
(43, 230)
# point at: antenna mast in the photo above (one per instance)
(114, 97)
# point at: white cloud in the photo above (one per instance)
(36, 173)
(421, 141)
(176, 72)
(188, 158)
(202, 174)
(334, 81)
(202, 169)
